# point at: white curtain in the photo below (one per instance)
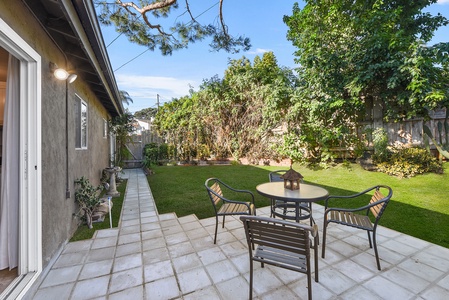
(9, 197)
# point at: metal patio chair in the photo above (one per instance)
(359, 217)
(224, 206)
(282, 244)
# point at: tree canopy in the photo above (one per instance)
(235, 115)
(142, 23)
(356, 52)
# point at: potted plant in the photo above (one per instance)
(87, 197)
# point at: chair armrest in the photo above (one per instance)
(366, 207)
(238, 191)
(347, 196)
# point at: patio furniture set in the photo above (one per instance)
(280, 242)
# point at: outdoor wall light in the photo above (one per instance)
(62, 74)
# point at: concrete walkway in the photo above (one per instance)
(152, 256)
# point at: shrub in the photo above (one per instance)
(87, 197)
(408, 162)
(154, 153)
(380, 143)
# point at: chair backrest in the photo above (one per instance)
(278, 234)
(276, 175)
(214, 191)
(377, 210)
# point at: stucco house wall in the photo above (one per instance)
(58, 221)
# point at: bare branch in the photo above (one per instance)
(223, 26)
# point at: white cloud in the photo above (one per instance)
(260, 51)
(443, 1)
(148, 86)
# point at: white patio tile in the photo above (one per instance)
(204, 243)
(286, 276)
(61, 276)
(126, 249)
(221, 271)
(129, 238)
(435, 293)
(155, 255)
(167, 216)
(354, 271)
(132, 293)
(149, 226)
(224, 237)
(158, 271)
(101, 254)
(405, 279)
(211, 255)
(335, 281)
(127, 262)
(318, 290)
(444, 283)
(162, 289)
(157, 233)
(438, 251)
(283, 293)
(360, 293)
(78, 246)
(55, 292)
(422, 270)
(181, 249)
(104, 233)
(91, 288)
(104, 242)
(412, 242)
(71, 259)
(130, 229)
(154, 243)
(234, 249)
(186, 262)
(387, 289)
(96, 269)
(197, 233)
(399, 247)
(236, 288)
(126, 279)
(193, 280)
(129, 223)
(432, 260)
(191, 226)
(176, 238)
(264, 281)
(209, 293)
(344, 248)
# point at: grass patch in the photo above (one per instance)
(418, 206)
(84, 233)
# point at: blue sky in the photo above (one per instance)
(146, 74)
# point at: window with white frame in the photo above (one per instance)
(81, 122)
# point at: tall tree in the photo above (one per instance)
(352, 54)
(362, 51)
(140, 22)
(146, 113)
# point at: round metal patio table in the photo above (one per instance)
(307, 193)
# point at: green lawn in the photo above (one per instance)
(418, 208)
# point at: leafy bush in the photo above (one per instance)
(380, 143)
(408, 162)
(153, 153)
(87, 197)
